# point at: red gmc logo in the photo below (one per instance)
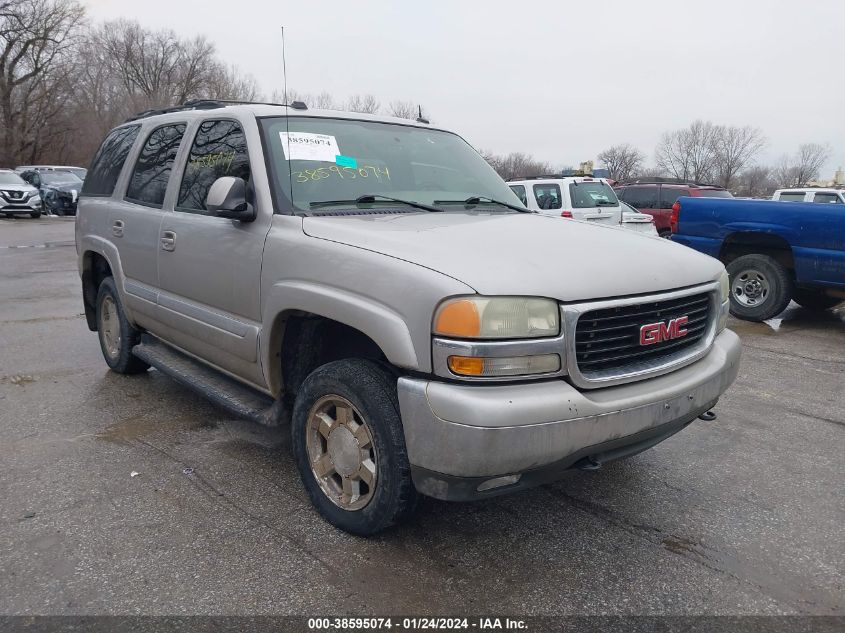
(652, 333)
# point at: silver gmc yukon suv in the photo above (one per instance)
(375, 285)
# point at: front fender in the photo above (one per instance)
(381, 323)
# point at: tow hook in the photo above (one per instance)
(708, 416)
(587, 463)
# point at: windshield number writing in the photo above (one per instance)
(344, 173)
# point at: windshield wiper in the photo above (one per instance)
(371, 198)
(605, 203)
(475, 200)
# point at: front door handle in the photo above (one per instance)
(168, 240)
(117, 228)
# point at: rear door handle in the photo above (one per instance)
(168, 240)
(117, 228)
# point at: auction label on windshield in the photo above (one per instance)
(308, 146)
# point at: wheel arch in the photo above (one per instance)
(308, 323)
(741, 243)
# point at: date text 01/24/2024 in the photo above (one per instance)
(416, 624)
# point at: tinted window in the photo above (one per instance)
(107, 163)
(592, 194)
(149, 179)
(219, 150)
(519, 190)
(642, 197)
(829, 198)
(714, 193)
(548, 196)
(670, 195)
(792, 196)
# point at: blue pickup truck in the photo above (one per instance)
(774, 251)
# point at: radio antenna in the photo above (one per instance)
(287, 121)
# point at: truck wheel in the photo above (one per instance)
(815, 299)
(760, 287)
(349, 446)
(117, 336)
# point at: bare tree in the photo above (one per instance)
(516, 164)
(785, 173)
(691, 153)
(802, 167)
(735, 148)
(756, 182)
(36, 36)
(622, 161)
(366, 104)
(810, 159)
(403, 109)
(227, 82)
(322, 101)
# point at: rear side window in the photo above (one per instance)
(670, 195)
(792, 196)
(714, 193)
(642, 197)
(155, 162)
(588, 194)
(827, 198)
(107, 163)
(519, 190)
(548, 196)
(219, 150)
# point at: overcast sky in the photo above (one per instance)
(559, 80)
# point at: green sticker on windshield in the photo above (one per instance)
(346, 161)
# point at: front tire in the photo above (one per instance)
(35, 215)
(761, 287)
(815, 300)
(116, 334)
(349, 447)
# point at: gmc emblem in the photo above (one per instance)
(652, 333)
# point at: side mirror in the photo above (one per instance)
(227, 199)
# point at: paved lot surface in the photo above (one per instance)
(741, 515)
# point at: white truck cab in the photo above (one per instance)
(810, 194)
(576, 197)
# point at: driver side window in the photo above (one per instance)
(219, 149)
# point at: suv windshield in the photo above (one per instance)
(58, 178)
(344, 159)
(9, 178)
(594, 193)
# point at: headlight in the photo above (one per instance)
(497, 318)
(724, 301)
(31, 194)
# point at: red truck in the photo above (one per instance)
(655, 197)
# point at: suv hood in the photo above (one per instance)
(522, 254)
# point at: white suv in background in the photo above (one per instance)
(576, 197)
(823, 196)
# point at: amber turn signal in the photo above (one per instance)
(466, 366)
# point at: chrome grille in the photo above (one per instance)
(607, 340)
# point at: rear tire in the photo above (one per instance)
(116, 334)
(761, 287)
(815, 300)
(349, 447)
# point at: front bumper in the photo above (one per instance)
(20, 206)
(460, 437)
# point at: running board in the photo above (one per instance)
(227, 393)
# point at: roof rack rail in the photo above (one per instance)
(549, 177)
(208, 104)
(661, 180)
